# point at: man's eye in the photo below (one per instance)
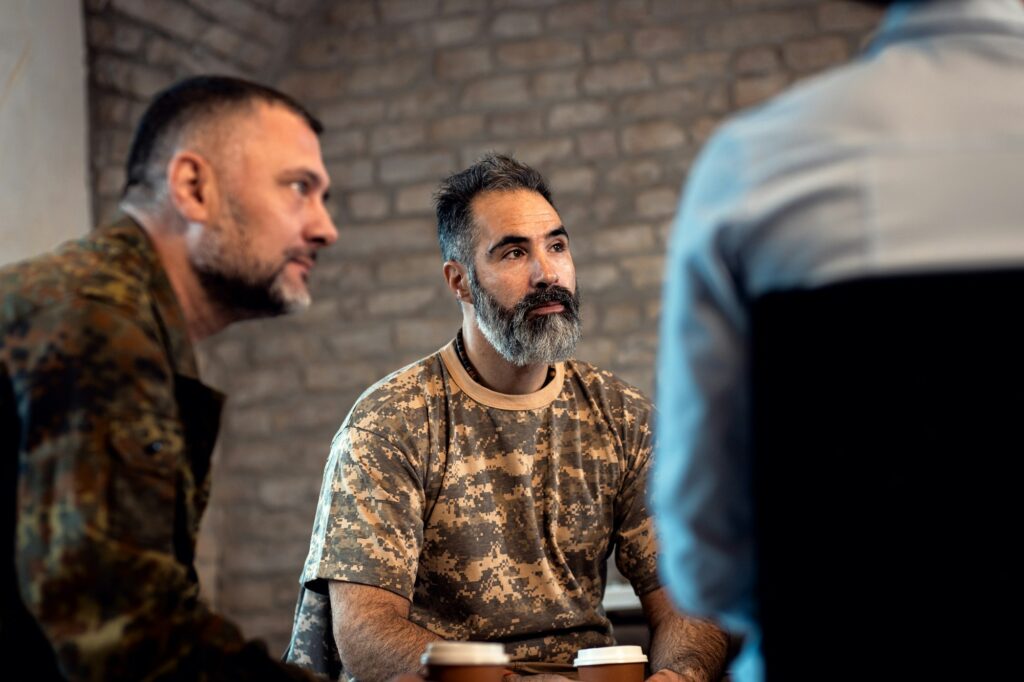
(300, 186)
(514, 253)
(559, 246)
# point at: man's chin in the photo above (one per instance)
(293, 300)
(297, 306)
(538, 351)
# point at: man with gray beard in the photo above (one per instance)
(478, 493)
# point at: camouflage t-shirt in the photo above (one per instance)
(494, 514)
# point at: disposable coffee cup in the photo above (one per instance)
(611, 664)
(464, 662)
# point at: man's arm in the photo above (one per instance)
(375, 638)
(100, 452)
(682, 648)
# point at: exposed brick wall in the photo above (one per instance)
(137, 47)
(611, 99)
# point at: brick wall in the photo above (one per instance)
(611, 99)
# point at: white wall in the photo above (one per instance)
(44, 197)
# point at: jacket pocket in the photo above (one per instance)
(146, 453)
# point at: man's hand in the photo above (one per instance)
(667, 675)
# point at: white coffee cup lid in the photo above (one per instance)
(464, 653)
(608, 655)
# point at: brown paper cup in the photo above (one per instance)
(611, 664)
(612, 672)
(464, 662)
(464, 673)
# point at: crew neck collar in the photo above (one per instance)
(504, 401)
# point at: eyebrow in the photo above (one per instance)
(559, 231)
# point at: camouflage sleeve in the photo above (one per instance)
(369, 526)
(99, 460)
(636, 550)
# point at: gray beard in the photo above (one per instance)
(523, 340)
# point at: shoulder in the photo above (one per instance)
(108, 267)
(819, 116)
(758, 157)
(607, 389)
(399, 399)
(605, 404)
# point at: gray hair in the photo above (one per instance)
(492, 173)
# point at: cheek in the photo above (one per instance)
(272, 236)
(568, 275)
(508, 289)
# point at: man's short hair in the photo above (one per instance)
(183, 106)
(492, 173)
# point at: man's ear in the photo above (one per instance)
(191, 186)
(458, 281)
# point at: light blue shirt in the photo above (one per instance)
(908, 159)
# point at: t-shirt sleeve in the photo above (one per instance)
(636, 554)
(369, 520)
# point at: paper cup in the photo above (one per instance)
(464, 662)
(611, 664)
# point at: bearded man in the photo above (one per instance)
(106, 427)
(477, 494)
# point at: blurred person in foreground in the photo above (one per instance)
(905, 161)
(107, 428)
(478, 493)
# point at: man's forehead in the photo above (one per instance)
(528, 217)
(272, 118)
(273, 130)
(511, 209)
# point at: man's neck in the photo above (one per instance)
(497, 373)
(203, 318)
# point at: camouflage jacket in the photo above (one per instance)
(107, 434)
(493, 514)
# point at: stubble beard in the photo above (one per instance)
(234, 278)
(522, 339)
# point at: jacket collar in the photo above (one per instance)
(167, 309)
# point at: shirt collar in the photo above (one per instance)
(915, 20)
(503, 401)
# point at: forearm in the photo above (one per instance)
(380, 648)
(696, 649)
(375, 638)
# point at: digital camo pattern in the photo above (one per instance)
(107, 435)
(496, 523)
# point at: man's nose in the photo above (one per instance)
(544, 272)
(322, 230)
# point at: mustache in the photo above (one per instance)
(298, 252)
(552, 294)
